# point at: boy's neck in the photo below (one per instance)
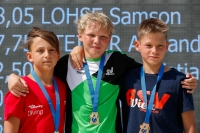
(92, 56)
(45, 77)
(152, 69)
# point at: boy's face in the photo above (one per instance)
(95, 40)
(43, 56)
(152, 47)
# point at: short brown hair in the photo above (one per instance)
(152, 25)
(99, 17)
(48, 36)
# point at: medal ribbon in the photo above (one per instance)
(95, 94)
(55, 114)
(143, 83)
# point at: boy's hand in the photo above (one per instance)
(77, 57)
(189, 83)
(17, 86)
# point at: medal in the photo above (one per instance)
(144, 128)
(55, 112)
(94, 118)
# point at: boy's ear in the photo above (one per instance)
(167, 46)
(29, 56)
(137, 45)
(58, 55)
(80, 37)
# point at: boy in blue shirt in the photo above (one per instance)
(152, 97)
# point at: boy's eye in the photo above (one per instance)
(103, 37)
(160, 46)
(40, 50)
(91, 35)
(52, 50)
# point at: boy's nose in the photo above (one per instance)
(97, 40)
(154, 50)
(46, 53)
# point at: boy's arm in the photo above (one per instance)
(77, 57)
(11, 125)
(17, 86)
(189, 83)
(189, 123)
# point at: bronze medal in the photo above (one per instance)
(94, 118)
(144, 128)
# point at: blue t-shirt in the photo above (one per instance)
(170, 101)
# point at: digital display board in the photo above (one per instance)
(17, 17)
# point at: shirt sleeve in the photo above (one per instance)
(60, 69)
(186, 102)
(133, 64)
(14, 106)
(130, 62)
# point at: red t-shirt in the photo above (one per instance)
(33, 110)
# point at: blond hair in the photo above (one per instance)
(152, 25)
(90, 17)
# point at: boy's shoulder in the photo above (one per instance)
(59, 81)
(174, 73)
(120, 57)
(135, 70)
(173, 78)
(27, 79)
(64, 58)
(134, 73)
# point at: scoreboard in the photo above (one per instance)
(17, 17)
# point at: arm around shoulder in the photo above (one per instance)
(190, 83)
(17, 86)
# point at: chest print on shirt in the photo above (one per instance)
(110, 71)
(35, 110)
(132, 101)
(81, 71)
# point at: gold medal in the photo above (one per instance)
(94, 118)
(144, 128)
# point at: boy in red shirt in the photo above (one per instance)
(43, 110)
